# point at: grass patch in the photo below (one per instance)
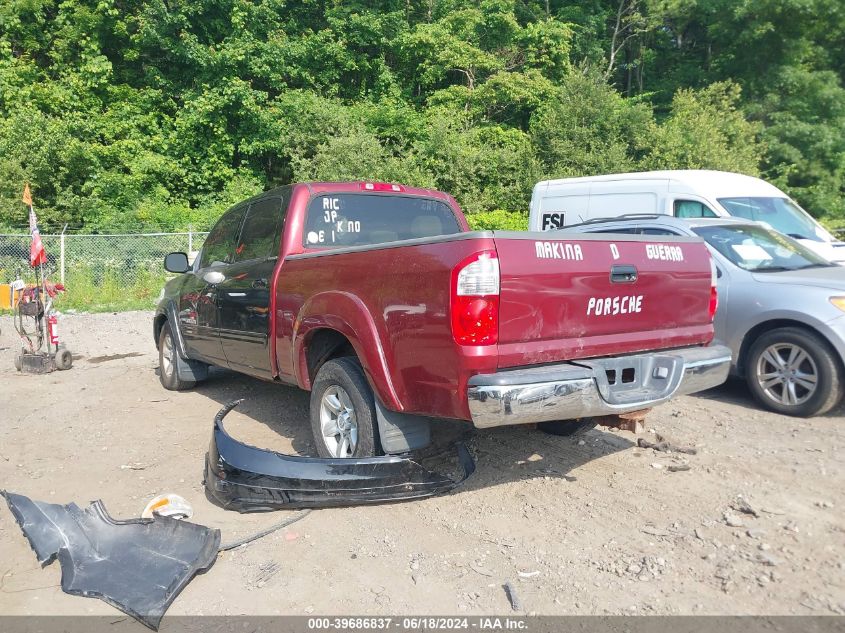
(108, 290)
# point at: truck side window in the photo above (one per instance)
(262, 230)
(692, 209)
(350, 219)
(219, 246)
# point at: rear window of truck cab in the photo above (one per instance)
(355, 219)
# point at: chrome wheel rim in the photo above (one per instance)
(787, 374)
(167, 357)
(338, 423)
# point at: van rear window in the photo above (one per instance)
(351, 219)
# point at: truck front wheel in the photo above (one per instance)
(168, 358)
(343, 412)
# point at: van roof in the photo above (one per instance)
(637, 220)
(717, 183)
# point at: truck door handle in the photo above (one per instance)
(623, 274)
(259, 283)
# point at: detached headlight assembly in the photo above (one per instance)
(839, 302)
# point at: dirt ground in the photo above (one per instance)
(592, 525)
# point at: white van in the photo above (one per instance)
(688, 193)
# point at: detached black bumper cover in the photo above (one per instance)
(249, 479)
(137, 565)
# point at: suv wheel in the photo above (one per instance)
(794, 372)
(343, 413)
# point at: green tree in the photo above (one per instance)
(591, 129)
(804, 117)
(706, 130)
(153, 114)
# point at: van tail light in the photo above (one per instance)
(474, 302)
(714, 296)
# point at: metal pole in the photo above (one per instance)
(190, 239)
(44, 314)
(62, 255)
(43, 298)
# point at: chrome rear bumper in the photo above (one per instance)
(603, 386)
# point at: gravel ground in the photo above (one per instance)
(592, 525)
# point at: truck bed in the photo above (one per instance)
(557, 303)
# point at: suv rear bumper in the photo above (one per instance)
(602, 386)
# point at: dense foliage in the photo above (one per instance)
(159, 113)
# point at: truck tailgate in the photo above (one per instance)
(575, 297)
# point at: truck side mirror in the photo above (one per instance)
(176, 263)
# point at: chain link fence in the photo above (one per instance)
(118, 271)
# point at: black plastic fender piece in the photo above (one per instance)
(172, 315)
(138, 566)
(186, 368)
(249, 479)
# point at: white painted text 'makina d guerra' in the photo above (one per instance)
(558, 250)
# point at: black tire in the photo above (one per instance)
(568, 428)
(168, 360)
(344, 376)
(769, 382)
(64, 359)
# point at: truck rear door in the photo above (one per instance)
(244, 297)
(199, 315)
(589, 295)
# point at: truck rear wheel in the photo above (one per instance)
(568, 428)
(168, 359)
(343, 412)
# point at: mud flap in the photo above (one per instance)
(191, 369)
(401, 432)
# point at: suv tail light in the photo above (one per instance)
(474, 300)
(714, 296)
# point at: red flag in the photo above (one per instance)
(37, 254)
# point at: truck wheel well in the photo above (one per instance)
(324, 345)
(754, 333)
(157, 325)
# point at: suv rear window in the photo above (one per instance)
(351, 219)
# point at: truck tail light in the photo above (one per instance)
(474, 301)
(714, 296)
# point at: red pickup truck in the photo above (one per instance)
(379, 300)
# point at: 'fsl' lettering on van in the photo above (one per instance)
(553, 221)
(558, 250)
(664, 252)
(611, 306)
